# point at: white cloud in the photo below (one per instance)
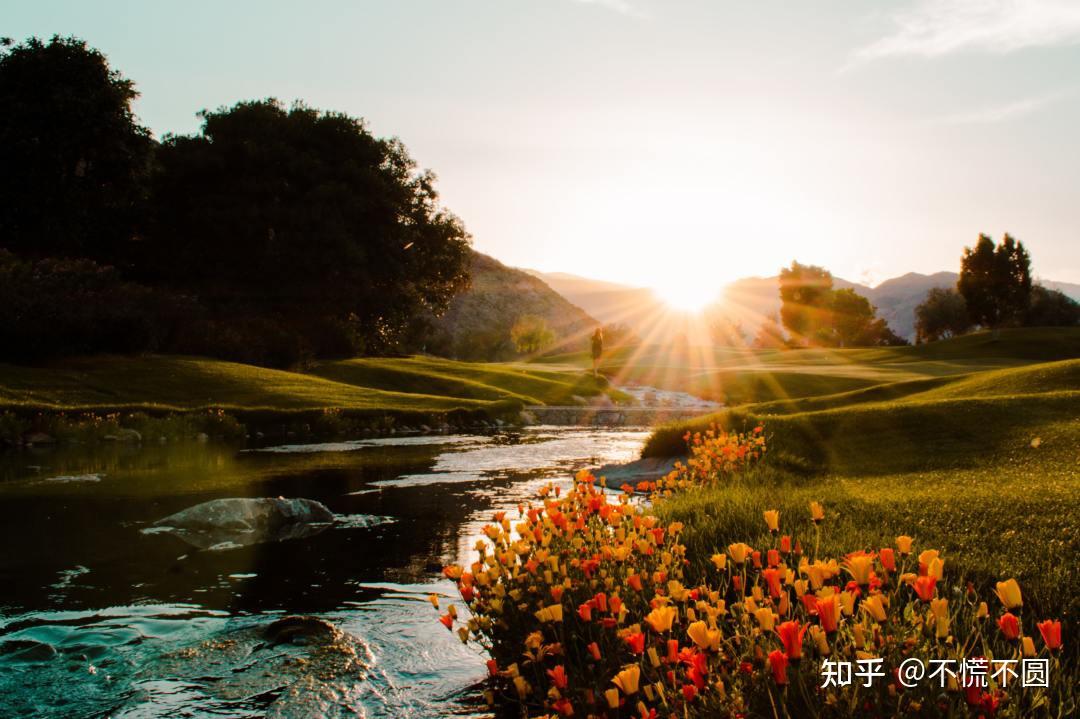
(938, 27)
(1003, 113)
(620, 6)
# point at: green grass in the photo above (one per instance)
(939, 448)
(990, 522)
(178, 384)
(472, 380)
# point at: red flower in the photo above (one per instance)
(636, 642)
(773, 557)
(594, 650)
(447, 621)
(558, 676)
(672, 651)
(778, 662)
(689, 691)
(785, 544)
(585, 612)
(1051, 633)
(756, 557)
(564, 707)
(634, 580)
(791, 634)
(493, 667)
(772, 578)
(888, 559)
(924, 587)
(1010, 625)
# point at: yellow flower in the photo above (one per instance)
(1009, 594)
(858, 635)
(434, 599)
(522, 687)
(552, 613)
(660, 619)
(875, 607)
(817, 512)
(936, 569)
(704, 637)
(612, 696)
(903, 543)
(847, 603)
(765, 619)
(940, 609)
(772, 520)
(720, 560)
(1028, 645)
(820, 639)
(676, 590)
(983, 611)
(739, 552)
(628, 680)
(860, 567)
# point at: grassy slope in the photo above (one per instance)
(946, 458)
(416, 384)
(432, 375)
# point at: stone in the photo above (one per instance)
(642, 470)
(225, 523)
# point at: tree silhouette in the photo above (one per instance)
(995, 281)
(75, 161)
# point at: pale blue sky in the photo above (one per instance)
(663, 142)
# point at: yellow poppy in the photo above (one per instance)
(628, 680)
(1009, 594)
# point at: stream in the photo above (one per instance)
(101, 615)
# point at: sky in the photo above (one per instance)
(676, 144)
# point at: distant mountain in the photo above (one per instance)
(478, 321)
(638, 308)
(751, 300)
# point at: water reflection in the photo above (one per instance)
(405, 507)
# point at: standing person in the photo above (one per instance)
(597, 349)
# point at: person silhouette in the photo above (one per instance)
(597, 349)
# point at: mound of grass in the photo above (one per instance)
(882, 438)
(162, 383)
(474, 380)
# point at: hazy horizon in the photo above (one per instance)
(680, 144)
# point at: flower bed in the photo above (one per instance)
(585, 606)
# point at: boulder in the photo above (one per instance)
(224, 523)
(124, 435)
(643, 470)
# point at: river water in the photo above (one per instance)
(101, 618)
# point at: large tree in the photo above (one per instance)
(805, 298)
(304, 216)
(73, 159)
(995, 281)
(941, 315)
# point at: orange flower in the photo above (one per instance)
(1009, 625)
(634, 580)
(594, 650)
(1051, 633)
(817, 512)
(447, 621)
(778, 662)
(785, 544)
(772, 578)
(636, 642)
(888, 559)
(791, 634)
(772, 519)
(903, 543)
(828, 609)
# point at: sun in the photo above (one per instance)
(687, 295)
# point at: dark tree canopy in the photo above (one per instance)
(1051, 308)
(74, 160)
(305, 215)
(805, 296)
(941, 315)
(995, 281)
